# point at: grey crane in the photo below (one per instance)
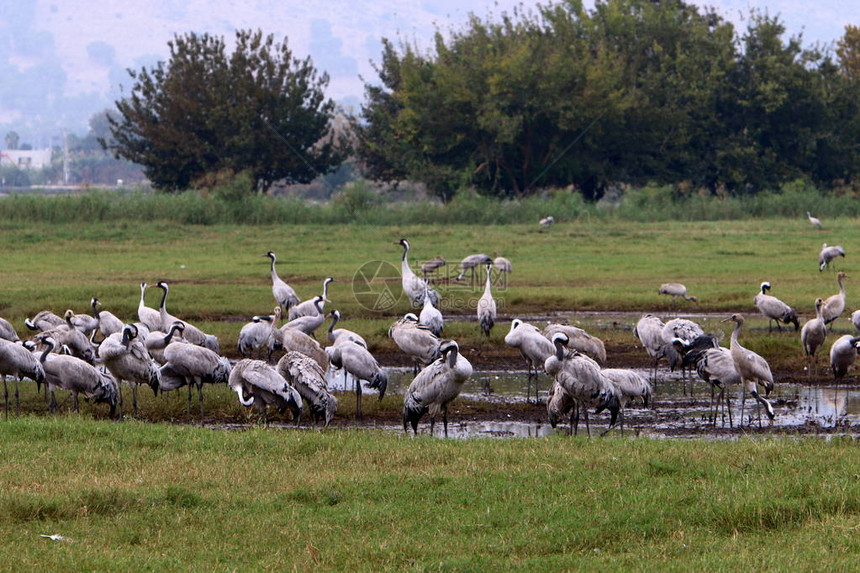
(17, 361)
(580, 377)
(149, 316)
(579, 340)
(66, 335)
(560, 404)
(259, 335)
(126, 357)
(67, 372)
(435, 387)
(308, 378)
(431, 316)
(843, 354)
(428, 267)
(752, 368)
(189, 364)
(291, 339)
(546, 222)
(534, 347)
(834, 305)
(337, 334)
(813, 334)
(109, 323)
(676, 291)
(814, 221)
(87, 324)
(191, 333)
(774, 309)
(471, 263)
(715, 365)
(828, 254)
(283, 293)
(101, 321)
(415, 340)
(7, 331)
(629, 385)
(502, 264)
(413, 285)
(855, 320)
(487, 306)
(310, 307)
(44, 320)
(358, 362)
(264, 387)
(686, 330)
(309, 323)
(156, 341)
(649, 331)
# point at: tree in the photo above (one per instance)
(257, 110)
(848, 50)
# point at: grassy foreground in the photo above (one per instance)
(156, 497)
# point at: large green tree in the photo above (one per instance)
(257, 109)
(631, 91)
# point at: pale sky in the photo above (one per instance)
(63, 61)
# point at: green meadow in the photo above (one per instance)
(135, 496)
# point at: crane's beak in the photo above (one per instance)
(727, 320)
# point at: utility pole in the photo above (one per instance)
(65, 158)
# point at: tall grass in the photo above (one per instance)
(358, 205)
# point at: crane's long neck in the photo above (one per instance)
(318, 303)
(142, 294)
(841, 285)
(427, 302)
(735, 333)
(334, 319)
(49, 347)
(96, 311)
(452, 357)
(818, 309)
(489, 281)
(170, 334)
(274, 272)
(559, 350)
(325, 288)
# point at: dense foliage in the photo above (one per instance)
(257, 110)
(632, 91)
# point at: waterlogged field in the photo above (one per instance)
(180, 495)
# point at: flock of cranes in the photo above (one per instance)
(165, 352)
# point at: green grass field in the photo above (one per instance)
(155, 497)
(220, 277)
(164, 497)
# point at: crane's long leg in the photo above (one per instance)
(199, 383)
(445, 419)
(134, 397)
(357, 397)
(119, 397)
(17, 395)
(75, 401)
(587, 426)
(188, 382)
(6, 398)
